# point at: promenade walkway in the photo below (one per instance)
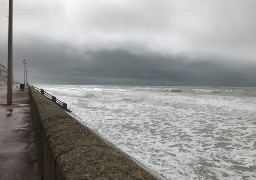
(17, 147)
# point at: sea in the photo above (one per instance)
(177, 132)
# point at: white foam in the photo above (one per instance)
(180, 135)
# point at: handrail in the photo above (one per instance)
(53, 98)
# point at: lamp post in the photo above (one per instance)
(25, 71)
(9, 79)
(27, 76)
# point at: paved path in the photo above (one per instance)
(17, 147)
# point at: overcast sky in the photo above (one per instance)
(158, 42)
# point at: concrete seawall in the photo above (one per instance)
(69, 150)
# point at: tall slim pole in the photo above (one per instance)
(25, 71)
(24, 61)
(9, 79)
(26, 76)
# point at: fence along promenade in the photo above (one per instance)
(53, 99)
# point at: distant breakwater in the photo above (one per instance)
(69, 150)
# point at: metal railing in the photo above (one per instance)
(53, 99)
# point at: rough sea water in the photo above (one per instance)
(178, 132)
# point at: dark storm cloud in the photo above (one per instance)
(126, 41)
(168, 70)
(166, 26)
(52, 62)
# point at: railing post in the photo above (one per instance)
(54, 99)
(65, 106)
(42, 91)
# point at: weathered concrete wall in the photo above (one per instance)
(69, 150)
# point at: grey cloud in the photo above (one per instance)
(158, 42)
(141, 15)
(51, 62)
(167, 26)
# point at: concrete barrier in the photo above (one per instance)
(69, 150)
